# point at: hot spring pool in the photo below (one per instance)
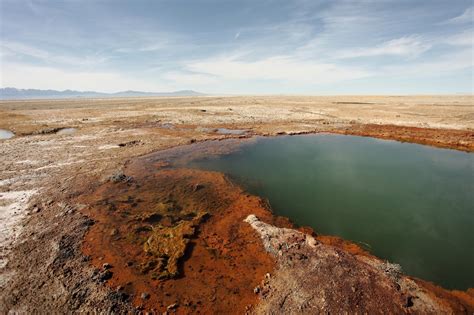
(410, 204)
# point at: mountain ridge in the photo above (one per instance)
(11, 93)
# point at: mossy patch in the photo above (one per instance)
(169, 244)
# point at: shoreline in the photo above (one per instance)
(272, 291)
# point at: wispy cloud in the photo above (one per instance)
(465, 17)
(448, 63)
(17, 49)
(465, 38)
(410, 46)
(39, 77)
(281, 68)
(299, 45)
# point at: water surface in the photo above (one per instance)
(6, 134)
(66, 131)
(411, 204)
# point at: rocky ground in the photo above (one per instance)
(62, 243)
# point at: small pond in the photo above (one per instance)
(407, 203)
(6, 134)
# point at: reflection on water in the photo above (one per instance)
(411, 204)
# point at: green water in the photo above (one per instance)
(411, 204)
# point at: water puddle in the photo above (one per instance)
(6, 134)
(167, 126)
(66, 131)
(411, 204)
(225, 131)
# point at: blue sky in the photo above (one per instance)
(239, 47)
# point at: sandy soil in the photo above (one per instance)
(43, 175)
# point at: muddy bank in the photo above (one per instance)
(442, 138)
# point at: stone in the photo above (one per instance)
(145, 296)
(105, 275)
(106, 266)
(198, 187)
(172, 306)
(120, 177)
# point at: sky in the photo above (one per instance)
(239, 47)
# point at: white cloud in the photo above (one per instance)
(282, 68)
(190, 80)
(17, 48)
(465, 38)
(237, 35)
(444, 64)
(37, 77)
(409, 46)
(465, 17)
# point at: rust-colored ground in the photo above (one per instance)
(447, 138)
(223, 262)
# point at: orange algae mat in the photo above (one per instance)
(207, 259)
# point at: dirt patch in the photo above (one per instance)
(49, 272)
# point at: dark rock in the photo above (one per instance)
(145, 296)
(105, 275)
(119, 296)
(120, 177)
(130, 143)
(88, 222)
(106, 266)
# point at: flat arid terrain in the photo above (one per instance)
(97, 214)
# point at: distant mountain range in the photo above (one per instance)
(10, 93)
